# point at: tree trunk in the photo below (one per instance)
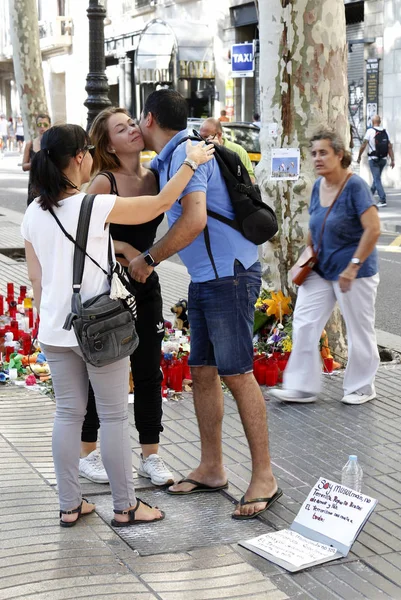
(27, 62)
(303, 85)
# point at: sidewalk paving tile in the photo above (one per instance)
(193, 554)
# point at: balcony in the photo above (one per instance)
(150, 4)
(56, 34)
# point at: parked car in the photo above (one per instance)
(244, 134)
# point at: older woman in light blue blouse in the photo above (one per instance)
(346, 272)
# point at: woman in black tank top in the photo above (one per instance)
(118, 142)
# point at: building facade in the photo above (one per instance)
(186, 44)
(374, 73)
(182, 44)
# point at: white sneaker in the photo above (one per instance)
(91, 467)
(358, 398)
(154, 469)
(292, 396)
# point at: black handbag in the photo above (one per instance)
(104, 328)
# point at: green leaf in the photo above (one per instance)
(260, 320)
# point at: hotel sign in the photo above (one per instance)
(196, 69)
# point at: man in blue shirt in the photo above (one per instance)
(225, 284)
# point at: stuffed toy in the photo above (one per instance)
(181, 317)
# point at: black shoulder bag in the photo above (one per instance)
(105, 328)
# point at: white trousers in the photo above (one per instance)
(315, 303)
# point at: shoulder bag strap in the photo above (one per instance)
(329, 211)
(69, 236)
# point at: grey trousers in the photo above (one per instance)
(71, 375)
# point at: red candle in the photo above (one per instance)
(14, 329)
(282, 363)
(1, 305)
(176, 376)
(10, 291)
(328, 365)
(22, 291)
(12, 308)
(26, 343)
(259, 369)
(186, 371)
(271, 372)
(29, 312)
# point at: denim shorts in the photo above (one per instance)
(221, 314)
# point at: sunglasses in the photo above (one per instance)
(44, 125)
(89, 148)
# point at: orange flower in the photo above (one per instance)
(278, 305)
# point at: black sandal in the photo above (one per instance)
(131, 514)
(73, 512)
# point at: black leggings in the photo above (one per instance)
(145, 366)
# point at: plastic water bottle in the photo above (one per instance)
(352, 474)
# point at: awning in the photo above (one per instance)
(191, 44)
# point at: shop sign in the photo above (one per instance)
(372, 89)
(196, 69)
(242, 60)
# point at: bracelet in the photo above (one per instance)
(190, 163)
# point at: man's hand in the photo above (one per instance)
(346, 278)
(358, 160)
(139, 270)
(392, 164)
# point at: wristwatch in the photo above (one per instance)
(191, 163)
(356, 261)
(150, 261)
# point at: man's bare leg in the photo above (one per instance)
(252, 410)
(209, 409)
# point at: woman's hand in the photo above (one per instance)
(128, 251)
(346, 278)
(199, 153)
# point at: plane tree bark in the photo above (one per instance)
(303, 86)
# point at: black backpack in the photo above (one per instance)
(381, 144)
(253, 218)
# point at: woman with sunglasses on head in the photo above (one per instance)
(118, 170)
(32, 147)
(59, 169)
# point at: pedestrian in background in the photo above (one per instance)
(256, 120)
(59, 169)
(223, 116)
(11, 134)
(118, 142)
(19, 133)
(3, 133)
(346, 272)
(32, 147)
(379, 148)
(212, 131)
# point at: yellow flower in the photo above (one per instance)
(278, 305)
(287, 344)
